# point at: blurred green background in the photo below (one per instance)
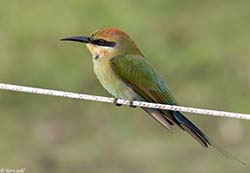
(202, 49)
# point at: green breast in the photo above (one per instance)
(110, 81)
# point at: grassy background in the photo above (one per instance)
(200, 47)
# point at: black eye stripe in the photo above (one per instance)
(101, 42)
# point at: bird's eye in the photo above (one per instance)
(101, 42)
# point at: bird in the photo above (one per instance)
(125, 73)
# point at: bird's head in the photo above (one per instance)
(107, 42)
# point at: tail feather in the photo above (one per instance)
(188, 126)
(225, 153)
(159, 116)
(169, 118)
(201, 137)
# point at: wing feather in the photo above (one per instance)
(139, 75)
(145, 81)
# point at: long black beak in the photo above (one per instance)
(77, 39)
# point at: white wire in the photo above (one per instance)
(49, 92)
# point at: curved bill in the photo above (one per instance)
(77, 39)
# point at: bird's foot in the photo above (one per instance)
(131, 104)
(115, 102)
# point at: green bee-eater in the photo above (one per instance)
(125, 73)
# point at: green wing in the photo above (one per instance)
(138, 74)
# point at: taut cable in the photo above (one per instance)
(72, 95)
